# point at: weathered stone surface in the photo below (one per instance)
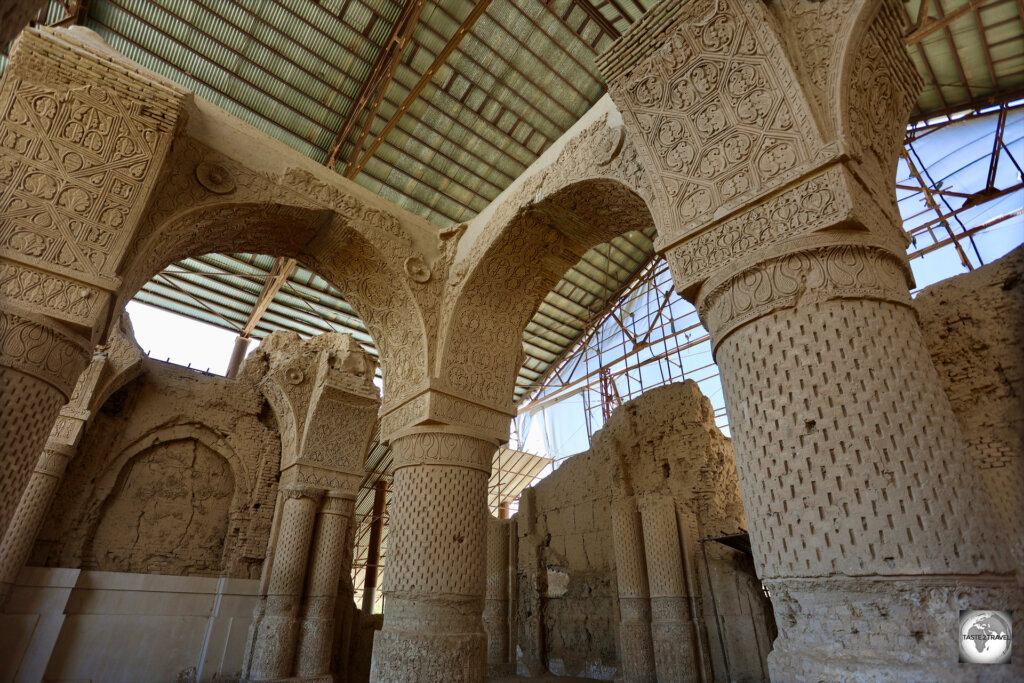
(973, 325)
(586, 603)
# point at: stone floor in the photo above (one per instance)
(548, 678)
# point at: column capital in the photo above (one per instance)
(299, 491)
(65, 89)
(758, 122)
(436, 404)
(435, 447)
(827, 269)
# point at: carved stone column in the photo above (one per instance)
(83, 136)
(435, 583)
(28, 518)
(276, 634)
(635, 644)
(672, 633)
(44, 481)
(496, 621)
(771, 133)
(317, 630)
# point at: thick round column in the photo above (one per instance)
(276, 634)
(496, 622)
(671, 627)
(39, 365)
(31, 512)
(316, 633)
(863, 508)
(635, 643)
(434, 586)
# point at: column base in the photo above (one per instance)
(637, 652)
(275, 649)
(313, 658)
(870, 629)
(672, 634)
(416, 657)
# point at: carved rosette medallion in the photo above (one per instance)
(215, 178)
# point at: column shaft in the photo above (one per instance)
(237, 356)
(274, 650)
(496, 622)
(435, 583)
(39, 365)
(860, 498)
(317, 630)
(635, 643)
(671, 627)
(28, 519)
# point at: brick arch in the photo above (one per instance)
(360, 267)
(512, 268)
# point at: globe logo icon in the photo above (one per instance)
(985, 636)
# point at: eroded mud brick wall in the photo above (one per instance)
(662, 444)
(974, 325)
(177, 474)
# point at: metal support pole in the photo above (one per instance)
(380, 490)
(237, 356)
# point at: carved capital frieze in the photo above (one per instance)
(830, 199)
(442, 448)
(747, 112)
(434, 406)
(42, 349)
(321, 479)
(816, 274)
(83, 134)
(296, 490)
(69, 427)
(53, 462)
(323, 393)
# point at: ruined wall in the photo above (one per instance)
(176, 475)
(568, 595)
(663, 443)
(974, 326)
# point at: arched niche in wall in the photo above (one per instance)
(167, 502)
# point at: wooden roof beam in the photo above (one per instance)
(922, 31)
(283, 267)
(442, 57)
(371, 94)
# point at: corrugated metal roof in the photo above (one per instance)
(520, 76)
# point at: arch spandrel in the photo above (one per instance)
(209, 202)
(591, 193)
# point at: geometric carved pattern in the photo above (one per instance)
(28, 407)
(849, 458)
(72, 168)
(716, 107)
(438, 533)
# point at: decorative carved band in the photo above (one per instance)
(303, 475)
(437, 407)
(813, 275)
(68, 430)
(65, 299)
(816, 203)
(296, 491)
(41, 351)
(338, 503)
(439, 448)
(52, 463)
